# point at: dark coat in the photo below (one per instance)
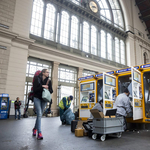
(37, 86)
(17, 104)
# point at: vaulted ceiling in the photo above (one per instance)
(144, 15)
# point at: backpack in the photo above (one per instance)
(31, 94)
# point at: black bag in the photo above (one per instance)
(25, 115)
(74, 125)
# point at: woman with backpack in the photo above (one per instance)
(41, 81)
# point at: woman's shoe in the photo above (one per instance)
(40, 136)
(34, 132)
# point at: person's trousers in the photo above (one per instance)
(124, 121)
(61, 111)
(17, 110)
(39, 106)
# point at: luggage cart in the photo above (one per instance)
(104, 126)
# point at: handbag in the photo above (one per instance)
(46, 96)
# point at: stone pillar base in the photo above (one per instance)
(55, 112)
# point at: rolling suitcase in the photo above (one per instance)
(73, 125)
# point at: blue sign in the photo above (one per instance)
(145, 66)
(4, 95)
(84, 78)
(127, 69)
(101, 74)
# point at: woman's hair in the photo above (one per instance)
(43, 71)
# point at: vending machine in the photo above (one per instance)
(87, 96)
(109, 91)
(4, 106)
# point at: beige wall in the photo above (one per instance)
(135, 44)
(7, 10)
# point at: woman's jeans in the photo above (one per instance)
(16, 113)
(39, 106)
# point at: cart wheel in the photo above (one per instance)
(103, 137)
(119, 135)
(94, 136)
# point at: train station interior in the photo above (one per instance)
(73, 40)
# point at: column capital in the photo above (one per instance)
(56, 63)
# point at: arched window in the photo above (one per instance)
(122, 48)
(37, 17)
(117, 14)
(145, 57)
(74, 32)
(109, 46)
(103, 44)
(117, 55)
(85, 37)
(76, 1)
(93, 40)
(49, 22)
(104, 11)
(64, 28)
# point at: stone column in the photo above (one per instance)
(55, 85)
(80, 70)
(130, 50)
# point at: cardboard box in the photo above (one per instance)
(79, 132)
(79, 125)
(96, 113)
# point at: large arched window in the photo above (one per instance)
(85, 37)
(70, 30)
(109, 46)
(74, 32)
(104, 10)
(103, 44)
(49, 22)
(122, 48)
(117, 55)
(93, 40)
(37, 17)
(64, 28)
(117, 14)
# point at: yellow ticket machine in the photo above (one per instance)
(87, 95)
(145, 80)
(130, 78)
(106, 89)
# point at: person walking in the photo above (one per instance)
(64, 104)
(17, 108)
(39, 84)
(123, 106)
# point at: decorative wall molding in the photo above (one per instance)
(15, 37)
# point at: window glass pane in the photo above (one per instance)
(76, 1)
(74, 32)
(67, 75)
(64, 28)
(88, 73)
(109, 46)
(93, 40)
(103, 44)
(117, 50)
(85, 37)
(34, 66)
(37, 16)
(118, 18)
(104, 11)
(49, 22)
